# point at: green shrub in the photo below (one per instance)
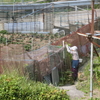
(27, 47)
(52, 37)
(66, 77)
(3, 32)
(56, 35)
(18, 88)
(3, 40)
(10, 88)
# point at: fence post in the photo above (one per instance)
(63, 50)
(91, 72)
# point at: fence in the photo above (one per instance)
(74, 39)
(46, 17)
(42, 63)
(16, 19)
(21, 51)
(37, 65)
(81, 42)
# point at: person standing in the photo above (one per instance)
(75, 61)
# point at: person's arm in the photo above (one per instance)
(68, 48)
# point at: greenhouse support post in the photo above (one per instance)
(63, 51)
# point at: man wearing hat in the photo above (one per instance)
(75, 60)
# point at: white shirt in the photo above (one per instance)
(74, 53)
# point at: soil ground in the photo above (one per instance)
(73, 92)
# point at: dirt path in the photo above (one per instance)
(73, 92)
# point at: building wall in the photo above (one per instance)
(1, 26)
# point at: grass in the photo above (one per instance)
(84, 84)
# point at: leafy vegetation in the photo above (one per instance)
(3, 32)
(65, 78)
(84, 79)
(31, 40)
(27, 47)
(15, 87)
(3, 40)
(65, 74)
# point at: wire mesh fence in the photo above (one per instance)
(29, 53)
(24, 20)
(30, 18)
(36, 65)
(74, 39)
(72, 15)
